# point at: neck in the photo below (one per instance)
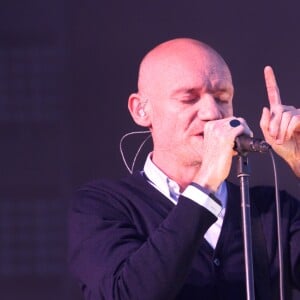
(182, 173)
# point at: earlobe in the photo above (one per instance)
(138, 111)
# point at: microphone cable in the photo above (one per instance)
(131, 168)
(278, 223)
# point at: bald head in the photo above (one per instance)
(173, 70)
(172, 59)
(183, 84)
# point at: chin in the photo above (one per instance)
(193, 160)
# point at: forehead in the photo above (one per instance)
(199, 73)
(185, 67)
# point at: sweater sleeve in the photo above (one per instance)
(113, 260)
(264, 198)
(294, 240)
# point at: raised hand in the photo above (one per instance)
(281, 124)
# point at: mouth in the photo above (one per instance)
(199, 136)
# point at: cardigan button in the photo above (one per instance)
(217, 262)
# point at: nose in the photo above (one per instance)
(209, 108)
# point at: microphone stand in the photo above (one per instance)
(243, 174)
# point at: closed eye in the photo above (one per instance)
(222, 101)
(190, 100)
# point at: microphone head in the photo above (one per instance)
(244, 143)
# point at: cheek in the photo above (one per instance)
(165, 117)
(161, 120)
(168, 130)
(171, 121)
(227, 111)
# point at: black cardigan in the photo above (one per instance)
(128, 241)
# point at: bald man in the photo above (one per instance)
(173, 230)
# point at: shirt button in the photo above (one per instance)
(217, 262)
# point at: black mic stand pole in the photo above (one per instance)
(243, 174)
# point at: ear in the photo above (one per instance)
(138, 110)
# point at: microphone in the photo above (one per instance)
(244, 143)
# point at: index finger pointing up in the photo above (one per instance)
(272, 87)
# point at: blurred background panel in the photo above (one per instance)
(34, 150)
(66, 70)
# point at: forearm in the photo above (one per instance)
(158, 269)
(125, 265)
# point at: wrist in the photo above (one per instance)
(198, 194)
(207, 186)
(209, 178)
(208, 192)
(295, 166)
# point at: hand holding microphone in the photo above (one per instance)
(244, 143)
(224, 138)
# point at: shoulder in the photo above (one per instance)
(263, 197)
(106, 194)
(114, 188)
(267, 194)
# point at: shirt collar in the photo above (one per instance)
(169, 187)
(161, 181)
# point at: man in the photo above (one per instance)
(173, 231)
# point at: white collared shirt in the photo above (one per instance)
(170, 189)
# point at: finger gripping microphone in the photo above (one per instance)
(244, 143)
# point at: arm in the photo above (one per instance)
(113, 260)
(294, 240)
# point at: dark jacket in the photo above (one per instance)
(127, 242)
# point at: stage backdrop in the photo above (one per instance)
(66, 70)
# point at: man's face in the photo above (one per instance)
(190, 90)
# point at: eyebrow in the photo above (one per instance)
(185, 90)
(220, 88)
